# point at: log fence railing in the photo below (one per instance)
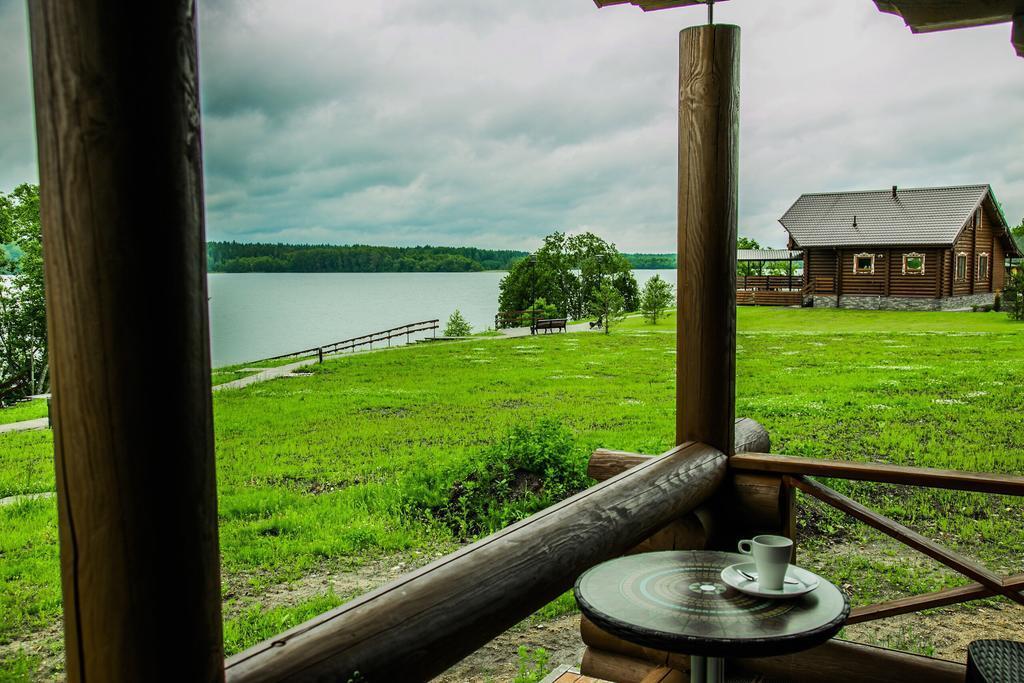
(753, 472)
(783, 283)
(795, 473)
(422, 623)
(365, 340)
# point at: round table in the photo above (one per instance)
(676, 601)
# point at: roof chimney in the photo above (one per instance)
(894, 192)
(855, 220)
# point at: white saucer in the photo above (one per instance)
(805, 581)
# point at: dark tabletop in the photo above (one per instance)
(676, 601)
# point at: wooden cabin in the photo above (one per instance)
(932, 248)
(119, 138)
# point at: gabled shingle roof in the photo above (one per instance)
(926, 216)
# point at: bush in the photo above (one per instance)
(1013, 296)
(530, 469)
(533, 666)
(457, 326)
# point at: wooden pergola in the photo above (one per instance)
(120, 159)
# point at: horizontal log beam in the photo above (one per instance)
(943, 598)
(609, 666)
(982, 482)
(605, 464)
(421, 624)
(907, 536)
(840, 660)
(916, 603)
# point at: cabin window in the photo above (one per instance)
(961, 266)
(982, 266)
(864, 264)
(913, 263)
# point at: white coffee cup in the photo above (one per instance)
(771, 556)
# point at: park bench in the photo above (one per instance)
(548, 324)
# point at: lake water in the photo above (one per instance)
(257, 315)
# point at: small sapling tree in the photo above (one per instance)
(655, 297)
(457, 326)
(607, 304)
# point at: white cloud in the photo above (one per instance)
(490, 124)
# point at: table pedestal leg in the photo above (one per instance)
(716, 670)
(707, 669)
(698, 669)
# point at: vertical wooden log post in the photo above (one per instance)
(708, 191)
(120, 164)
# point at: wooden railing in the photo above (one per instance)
(795, 473)
(770, 282)
(761, 493)
(419, 625)
(384, 336)
(820, 285)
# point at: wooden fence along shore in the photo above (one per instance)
(365, 340)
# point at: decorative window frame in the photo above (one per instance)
(913, 271)
(863, 271)
(956, 266)
(981, 275)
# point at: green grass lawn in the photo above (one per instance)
(23, 410)
(317, 473)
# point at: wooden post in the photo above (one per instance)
(708, 182)
(120, 166)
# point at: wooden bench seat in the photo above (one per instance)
(548, 324)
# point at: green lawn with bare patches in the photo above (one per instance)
(316, 473)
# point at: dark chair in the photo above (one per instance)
(995, 661)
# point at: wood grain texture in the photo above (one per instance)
(120, 164)
(707, 208)
(605, 464)
(983, 482)
(840, 660)
(908, 537)
(421, 624)
(916, 603)
(615, 667)
(598, 639)
(666, 675)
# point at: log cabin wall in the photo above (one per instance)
(862, 284)
(820, 263)
(978, 237)
(914, 284)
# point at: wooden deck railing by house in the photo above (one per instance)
(770, 282)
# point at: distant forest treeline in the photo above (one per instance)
(235, 257)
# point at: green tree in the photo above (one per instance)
(457, 326)
(24, 358)
(565, 272)
(657, 295)
(1013, 296)
(607, 304)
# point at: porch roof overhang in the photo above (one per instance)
(769, 255)
(922, 16)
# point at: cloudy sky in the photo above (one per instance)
(492, 122)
